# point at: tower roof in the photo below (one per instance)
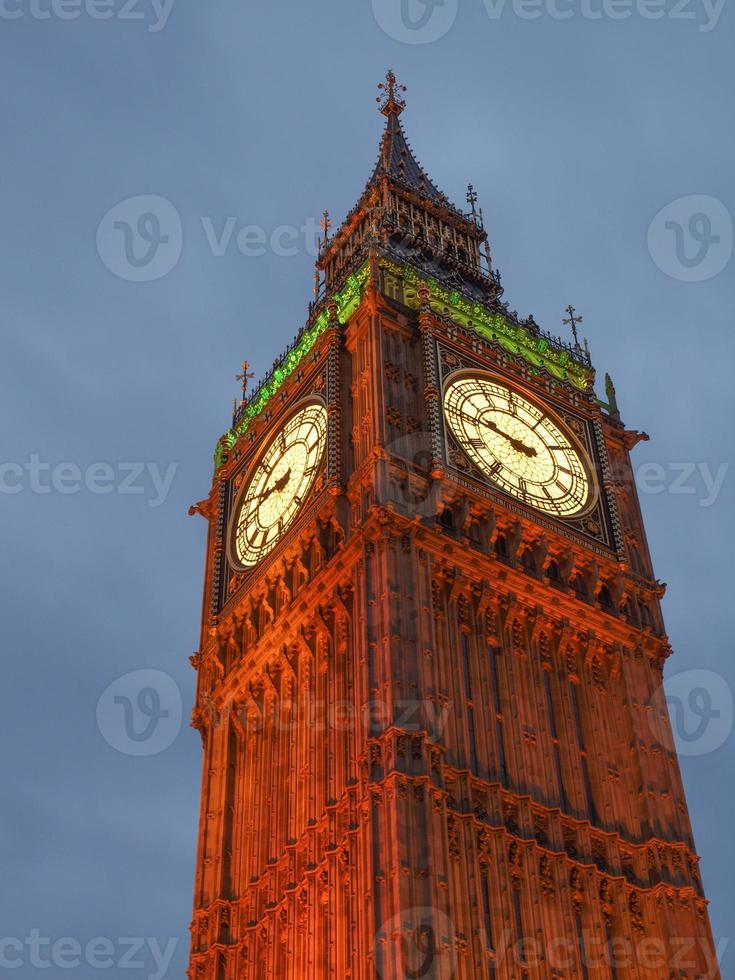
(397, 179)
(396, 158)
(398, 162)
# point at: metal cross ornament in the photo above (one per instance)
(246, 375)
(573, 321)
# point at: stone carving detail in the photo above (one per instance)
(392, 372)
(515, 864)
(484, 847)
(576, 890)
(636, 915)
(453, 837)
(606, 902)
(546, 877)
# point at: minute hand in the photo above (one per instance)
(517, 444)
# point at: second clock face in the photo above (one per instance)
(279, 484)
(517, 445)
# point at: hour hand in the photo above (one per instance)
(520, 447)
(517, 444)
(280, 483)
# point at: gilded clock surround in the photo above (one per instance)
(517, 444)
(277, 485)
(599, 525)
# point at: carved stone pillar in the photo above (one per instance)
(432, 394)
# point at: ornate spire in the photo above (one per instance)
(396, 158)
(392, 103)
(403, 211)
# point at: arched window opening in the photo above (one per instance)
(606, 599)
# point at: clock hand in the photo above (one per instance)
(280, 483)
(520, 447)
(517, 444)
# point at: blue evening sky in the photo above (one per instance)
(576, 130)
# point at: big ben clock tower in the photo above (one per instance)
(429, 677)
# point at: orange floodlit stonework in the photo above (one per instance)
(429, 680)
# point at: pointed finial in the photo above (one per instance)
(472, 199)
(391, 101)
(612, 398)
(325, 224)
(573, 321)
(244, 377)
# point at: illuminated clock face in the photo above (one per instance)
(517, 445)
(279, 484)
